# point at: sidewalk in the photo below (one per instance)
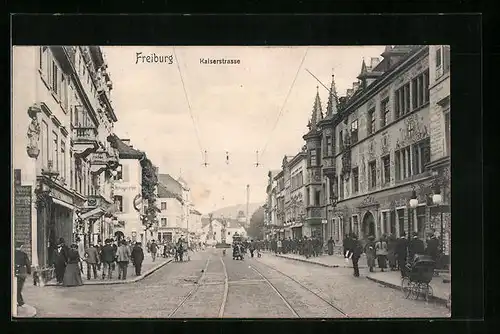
(332, 261)
(392, 279)
(148, 267)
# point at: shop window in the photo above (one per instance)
(421, 222)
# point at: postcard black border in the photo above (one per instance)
(462, 31)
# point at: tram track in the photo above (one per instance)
(199, 282)
(335, 307)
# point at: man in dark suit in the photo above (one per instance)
(60, 260)
(401, 253)
(22, 270)
(415, 247)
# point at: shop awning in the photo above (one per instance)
(92, 212)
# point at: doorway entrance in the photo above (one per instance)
(368, 227)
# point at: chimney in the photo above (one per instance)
(355, 86)
(374, 62)
(350, 91)
(126, 141)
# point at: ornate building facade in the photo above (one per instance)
(61, 97)
(385, 142)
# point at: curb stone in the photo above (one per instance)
(318, 263)
(135, 279)
(440, 300)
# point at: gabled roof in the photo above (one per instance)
(163, 192)
(170, 183)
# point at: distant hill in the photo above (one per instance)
(232, 211)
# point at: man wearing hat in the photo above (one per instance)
(60, 260)
(356, 250)
(22, 270)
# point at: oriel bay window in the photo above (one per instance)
(420, 90)
(313, 157)
(354, 131)
(329, 151)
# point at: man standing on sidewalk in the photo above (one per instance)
(137, 258)
(22, 270)
(154, 249)
(123, 258)
(401, 254)
(92, 259)
(81, 252)
(356, 250)
(107, 258)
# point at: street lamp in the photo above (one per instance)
(413, 205)
(437, 199)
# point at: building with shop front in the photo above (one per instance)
(373, 146)
(295, 207)
(440, 145)
(128, 192)
(270, 205)
(171, 211)
(63, 164)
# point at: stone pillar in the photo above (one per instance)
(397, 223)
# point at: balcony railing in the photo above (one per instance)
(314, 212)
(85, 134)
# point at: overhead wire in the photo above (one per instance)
(189, 108)
(284, 104)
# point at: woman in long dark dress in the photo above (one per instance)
(72, 275)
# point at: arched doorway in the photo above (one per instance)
(368, 226)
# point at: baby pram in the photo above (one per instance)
(418, 275)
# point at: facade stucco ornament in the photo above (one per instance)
(414, 131)
(33, 132)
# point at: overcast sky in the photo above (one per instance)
(234, 108)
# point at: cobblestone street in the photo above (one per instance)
(211, 285)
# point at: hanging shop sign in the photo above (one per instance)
(137, 202)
